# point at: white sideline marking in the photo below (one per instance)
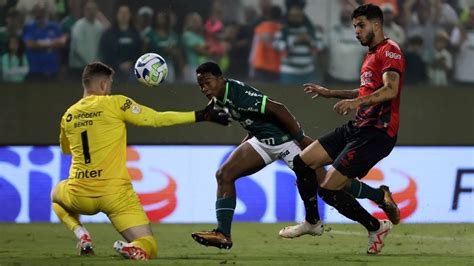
(440, 238)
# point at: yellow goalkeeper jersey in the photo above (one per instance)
(93, 130)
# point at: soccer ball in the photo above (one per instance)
(151, 69)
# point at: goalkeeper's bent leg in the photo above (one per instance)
(71, 220)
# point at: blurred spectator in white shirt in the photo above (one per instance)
(85, 38)
(444, 14)
(14, 63)
(390, 27)
(419, 20)
(462, 39)
(441, 62)
(345, 51)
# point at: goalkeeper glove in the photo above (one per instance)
(213, 113)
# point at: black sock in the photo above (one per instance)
(349, 207)
(308, 189)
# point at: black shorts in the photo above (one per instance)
(354, 150)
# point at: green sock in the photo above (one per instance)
(361, 190)
(225, 212)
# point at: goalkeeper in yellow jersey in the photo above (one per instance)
(93, 131)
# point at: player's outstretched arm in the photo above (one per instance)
(387, 92)
(144, 116)
(316, 90)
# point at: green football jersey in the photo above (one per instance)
(247, 106)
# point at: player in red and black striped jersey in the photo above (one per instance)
(354, 148)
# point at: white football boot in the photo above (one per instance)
(377, 238)
(129, 251)
(303, 228)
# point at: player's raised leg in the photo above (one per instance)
(243, 161)
(382, 196)
(71, 219)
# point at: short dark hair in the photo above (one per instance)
(370, 11)
(95, 69)
(209, 67)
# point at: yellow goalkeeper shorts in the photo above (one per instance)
(123, 208)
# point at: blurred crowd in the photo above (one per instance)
(48, 40)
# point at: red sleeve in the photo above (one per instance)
(392, 59)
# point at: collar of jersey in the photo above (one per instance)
(226, 92)
(377, 45)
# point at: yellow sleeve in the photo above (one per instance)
(63, 141)
(141, 115)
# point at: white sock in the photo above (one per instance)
(80, 231)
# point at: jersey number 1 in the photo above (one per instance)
(85, 147)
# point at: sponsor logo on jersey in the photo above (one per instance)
(247, 122)
(248, 109)
(253, 94)
(392, 55)
(70, 117)
(283, 154)
(82, 117)
(236, 115)
(88, 173)
(126, 105)
(366, 78)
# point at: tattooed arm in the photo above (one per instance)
(389, 91)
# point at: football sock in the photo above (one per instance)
(225, 212)
(148, 244)
(361, 190)
(308, 189)
(71, 220)
(349, 207)
(80, 231)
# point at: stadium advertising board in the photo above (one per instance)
(176, 184)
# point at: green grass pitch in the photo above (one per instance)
(254, 244)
